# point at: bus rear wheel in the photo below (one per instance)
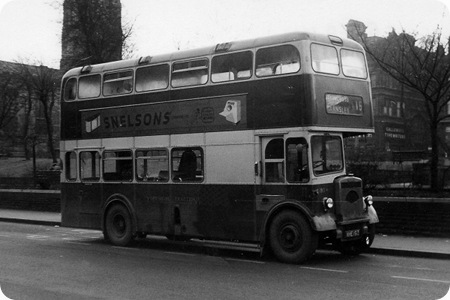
(118, 225)
(291, 237)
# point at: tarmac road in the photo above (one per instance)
(48, 262)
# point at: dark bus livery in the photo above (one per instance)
(240, 144)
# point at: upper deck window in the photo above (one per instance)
(188, 73)
(353, 64)
(118, 83)
(152, 78)
(277, 60)
(70, 89)
(232, 66)
(324, 59)
(89, 86)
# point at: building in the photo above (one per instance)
(401, 128)
(22, 116)
(92, 32)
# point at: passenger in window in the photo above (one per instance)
(188, 165)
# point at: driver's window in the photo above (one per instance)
(327, 155)
(297, 169)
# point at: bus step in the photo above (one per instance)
(229, 245)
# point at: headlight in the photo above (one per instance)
(328, 203)
(368, 200)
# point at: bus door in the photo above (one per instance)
(272, 173)
(284, 168)
(90, 188)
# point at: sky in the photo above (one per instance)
(30, 30)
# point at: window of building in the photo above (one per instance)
(187, 164)
(327, 154)
(277, 60)
(70, 89)
(71, 166)
(232, 66)
(353, 64)
(274, 161)
(297, 169)
(194, 72)
(118, 165)
(152, 78)
(447, 135)
(118, 83)
(90, 166)
(152, 165)
(89, 86)
(392, 108)
(324, 59)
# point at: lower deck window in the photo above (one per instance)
(152, 165)
(71, 166)
(187, 164)
(117, 165)
(90, 166)
(274, 161)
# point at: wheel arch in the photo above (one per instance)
(123, 200)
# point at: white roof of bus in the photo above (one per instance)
(233, 46)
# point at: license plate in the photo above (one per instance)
(351, 233)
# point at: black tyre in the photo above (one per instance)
(291, 238)
(118, 226)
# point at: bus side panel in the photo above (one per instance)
(346, 109)
(279, 102)
(81, 206)
(227, 212)
(154, 208)
(224, 212)
(70, 205)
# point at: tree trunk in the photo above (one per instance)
(434, 171)
(49, 124)
(28, 108)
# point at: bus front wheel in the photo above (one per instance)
(291, 238)
(118, 225)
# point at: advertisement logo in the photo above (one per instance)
(92, 123)
(232, 111)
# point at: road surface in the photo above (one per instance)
(44, 262)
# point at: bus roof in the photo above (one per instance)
(224, 48)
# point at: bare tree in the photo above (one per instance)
(423, 65)
(93, 33)
(9, 98)
(43, 87)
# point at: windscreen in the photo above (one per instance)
(327, 154)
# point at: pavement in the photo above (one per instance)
(412, 246)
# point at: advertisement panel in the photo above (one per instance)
(182, 116)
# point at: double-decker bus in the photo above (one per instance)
(238, 145)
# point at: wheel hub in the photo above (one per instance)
(290, 238)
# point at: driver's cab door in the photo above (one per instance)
(284, 161)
